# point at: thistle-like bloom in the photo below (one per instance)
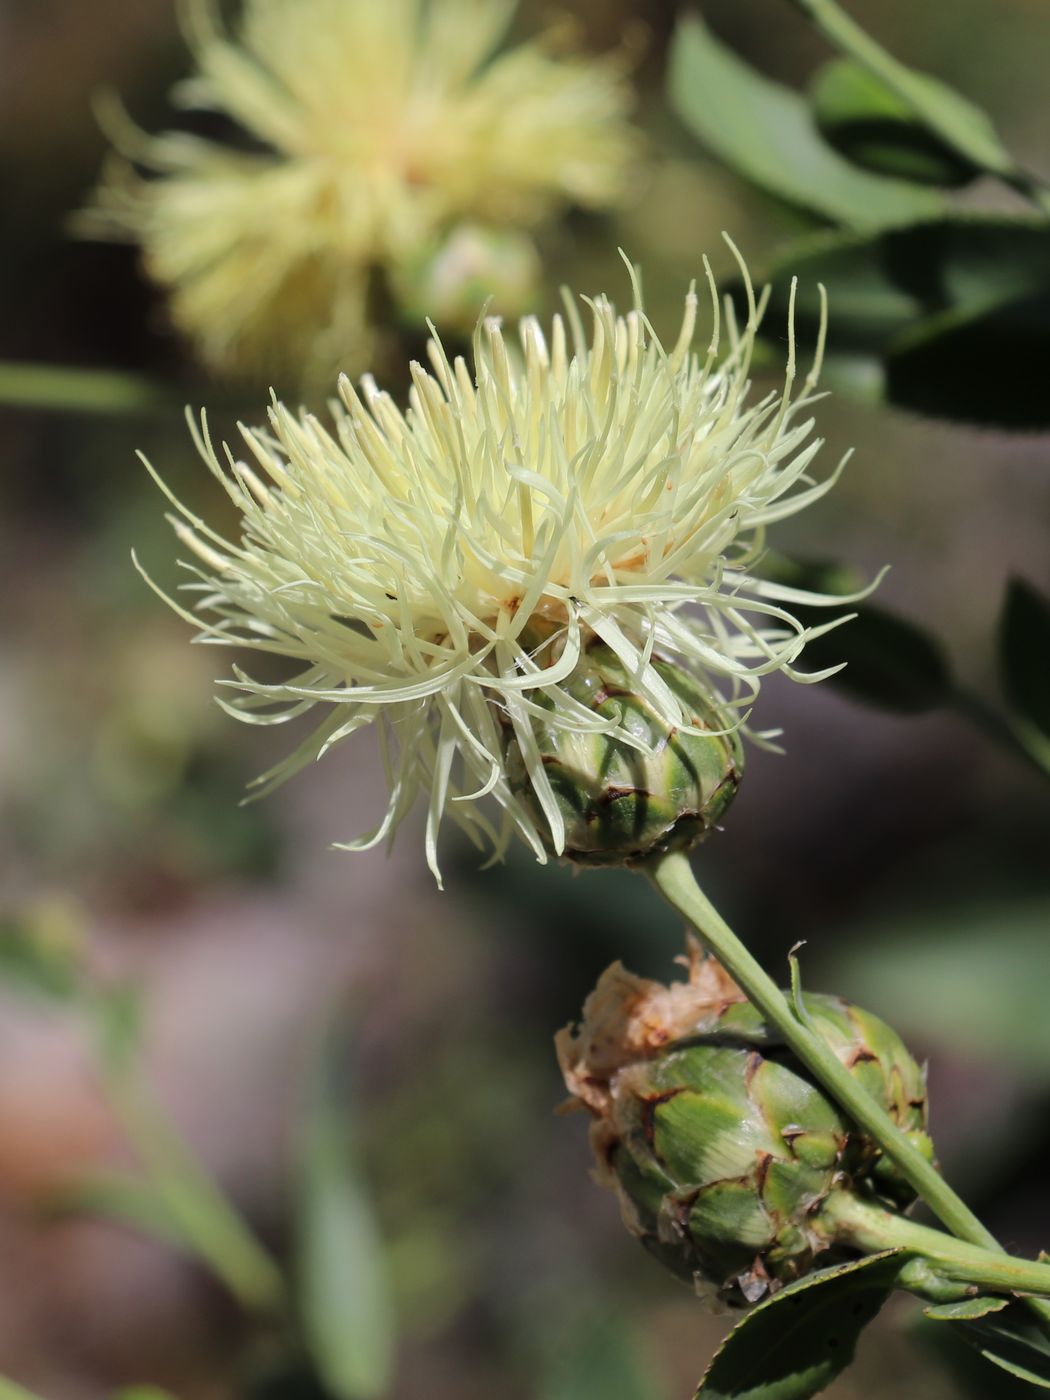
(374, 128)
(729, 1162)
(438, 574)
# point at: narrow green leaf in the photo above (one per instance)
(117, 1015)
(1017, 1369)
(11, 1390)
(1011, 1341)
(71, 389)
(872, 126)
(205, 1222)
(343, 1289)
(1024, 646)
(179, 1202)
(116, 1196)
(890, 662)
(967, 1310)
(765, 132)
(794, 1345)
(957, 121)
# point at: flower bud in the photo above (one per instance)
(621, 803)
(720, 1147)
(451, 281)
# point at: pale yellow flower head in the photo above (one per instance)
(376, 127)
(434, 574)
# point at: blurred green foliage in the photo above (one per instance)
(934, 307)
(1008, 1338)
(773, 140)
(936, 316)
(597, 1356)
(875, 128)
(342, 1291)
(971, 966)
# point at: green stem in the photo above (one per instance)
(1020, 739)
(204, 1218)
(870, 1228)
(673, 877)
(69, 389)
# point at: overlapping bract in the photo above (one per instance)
(722, 1150)
(436, 573)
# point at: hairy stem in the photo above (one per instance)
(673, 877)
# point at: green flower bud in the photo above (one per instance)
(453, 280)
(621, 803)
(721, 1148)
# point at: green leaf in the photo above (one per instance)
(765, 132)
(957, 121)
(988, 963)
(966, 364)
(872, 126)
(967, 1310)
(1024, 646)
(794, 1345)
(343, 1289)
(949, 317)
(890, 663)
(1012, 1341)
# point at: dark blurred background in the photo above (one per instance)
(909, 853)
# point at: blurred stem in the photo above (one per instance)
(203, 1216)
(1026, 743)
(971, 140)
(68, 389)
(870, 1228)
(673, 877)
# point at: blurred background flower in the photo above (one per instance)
(360, 138)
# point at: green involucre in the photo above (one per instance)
(620, 803)
(724, 1152)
